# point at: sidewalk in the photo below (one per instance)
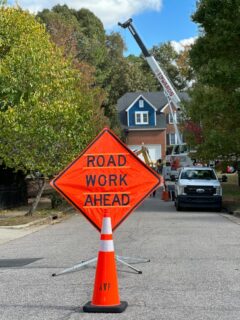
(8, 234)
(12, 232)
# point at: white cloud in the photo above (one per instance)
(179, 45)
(109, 11)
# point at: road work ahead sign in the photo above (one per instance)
(106, 177)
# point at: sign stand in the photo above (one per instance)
(120, 259)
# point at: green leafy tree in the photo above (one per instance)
(184, 66)
(167, 57)
(49, 110)
(215, 97)
(140, 76)
(80, 34)
(63, 28)
(82, 37)
(174, 64)
(92, 48)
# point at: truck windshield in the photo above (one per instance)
(198, 174)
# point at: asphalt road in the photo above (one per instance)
(194, 271)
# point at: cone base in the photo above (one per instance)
(89, 307)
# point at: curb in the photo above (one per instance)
(231, 218)
(236, 214)
(22, 226)
(53, 219)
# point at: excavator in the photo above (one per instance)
(144, 152)
(180, 152)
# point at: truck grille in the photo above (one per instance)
(199, 190)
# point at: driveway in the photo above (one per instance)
(194, 271)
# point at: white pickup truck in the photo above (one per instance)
(198, 187)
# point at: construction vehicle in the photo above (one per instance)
(179, 153)
(143, 154)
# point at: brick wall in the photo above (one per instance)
(148, 137)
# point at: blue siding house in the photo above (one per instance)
(141, 113)
(146, 119)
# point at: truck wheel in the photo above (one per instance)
(178, 207)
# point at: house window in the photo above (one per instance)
(170, 118)
(141, 117)
(141, 103)
(172, 138)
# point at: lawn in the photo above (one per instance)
(9, 219)
(231, 193)
(17, 216)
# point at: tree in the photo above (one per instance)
(140, 76)
(63, 28)
(173, 63)
(49, 110)
(168, 57)
(184, 66)
(80, 34)
(215, 97)
(82, 37)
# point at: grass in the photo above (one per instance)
(7, 220)
(17, 216)
(231, 193)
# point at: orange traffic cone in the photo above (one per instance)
(105, 295)
(165, 194)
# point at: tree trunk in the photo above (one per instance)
(37, 199)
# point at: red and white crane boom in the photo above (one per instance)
(168, 88)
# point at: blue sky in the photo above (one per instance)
(156, 20)
(171, 23)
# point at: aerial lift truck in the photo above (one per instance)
(180, 150)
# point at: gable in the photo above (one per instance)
(141, 112)
(136, 101)
(157, 99)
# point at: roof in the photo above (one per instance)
(158, 99)
(139, 97)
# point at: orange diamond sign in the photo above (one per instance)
(106, 177)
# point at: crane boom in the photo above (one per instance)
(168, 88)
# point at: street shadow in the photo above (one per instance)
(17, 263)
(155, 204)
(199, 210)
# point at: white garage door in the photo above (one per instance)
(154, 150)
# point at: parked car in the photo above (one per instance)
(198, 187)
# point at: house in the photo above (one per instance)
(146, 119)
